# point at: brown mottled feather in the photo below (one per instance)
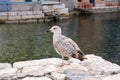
(67, 47)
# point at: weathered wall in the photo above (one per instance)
(99, 1)
(20, 15)
(69, 4)
(85, 1)
(5, 7)
(27, 7)
(18, 0)
(20, 7)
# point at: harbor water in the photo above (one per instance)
(97, 34)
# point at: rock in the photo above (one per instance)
(36, 70)
(58, 76)
(74, 74)
(36, 78)
(42, 62)
(5, 66)
(71, 66)
(112, 77)
(94, 68)
(30, 71)
(78, 66)
(98, 66)
(7, 74)
(73, 60)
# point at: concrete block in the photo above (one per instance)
(26, 16)
(40, 20)
(37, 12)
(45, 7)
(38, 16)
(15, 7)
(59, 6)
(36, 7)
(3, 13)
(3, 17)
(25, 13)
(31, 20)
(12, 21)
(12, 13)
(48, 8)
(61, 11)
(17, 17)
(22, 21)
(20, 7)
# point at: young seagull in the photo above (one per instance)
(65, 46)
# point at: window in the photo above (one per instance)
(79, 0)
(28, 0)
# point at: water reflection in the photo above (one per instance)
(97, 34)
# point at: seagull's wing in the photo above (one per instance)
(67, 47)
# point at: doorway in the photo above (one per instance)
(92, 2)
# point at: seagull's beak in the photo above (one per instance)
(48, 31)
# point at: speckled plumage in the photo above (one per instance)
(65, 46)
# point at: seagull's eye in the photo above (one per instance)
(54, 28)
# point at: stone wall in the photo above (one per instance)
(26, 7)
(18, 16)
(94, 68)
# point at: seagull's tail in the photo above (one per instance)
(81, 56)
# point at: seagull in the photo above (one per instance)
(65, 46)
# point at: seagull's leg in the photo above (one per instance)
(62, 61)
(69, 60)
